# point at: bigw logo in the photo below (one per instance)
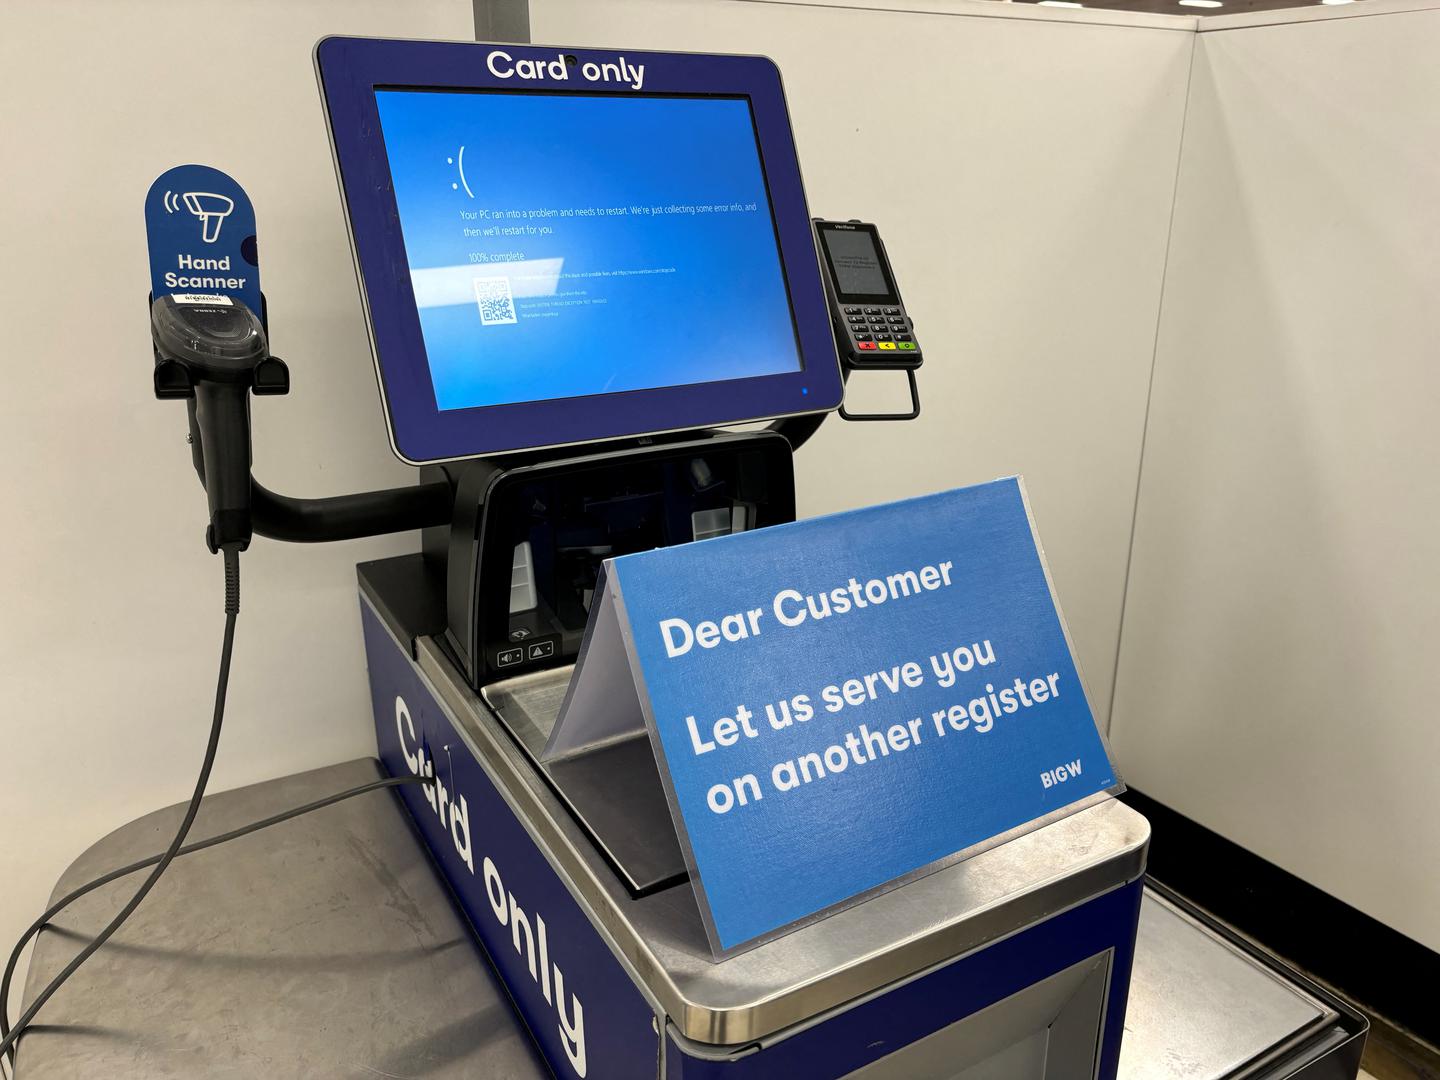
(1068, 771)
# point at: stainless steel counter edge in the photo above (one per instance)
(949, 913)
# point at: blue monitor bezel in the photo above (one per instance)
(351, 69)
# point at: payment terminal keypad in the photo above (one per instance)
(880, 330)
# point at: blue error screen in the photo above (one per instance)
(566, 245)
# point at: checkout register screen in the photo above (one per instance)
(563, 245)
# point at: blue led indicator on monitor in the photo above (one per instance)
(564, 245)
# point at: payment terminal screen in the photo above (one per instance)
(563, 245)
(856, 263)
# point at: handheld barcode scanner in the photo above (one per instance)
(214, 354)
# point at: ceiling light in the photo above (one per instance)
(1333, 3)
(1068, 3)
(1201, 3)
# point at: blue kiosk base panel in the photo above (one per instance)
(1047, 1002)
(990, 1015)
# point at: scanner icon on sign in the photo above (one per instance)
(211, 208)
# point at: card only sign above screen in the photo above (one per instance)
(842, 704)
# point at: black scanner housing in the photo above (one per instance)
(575, 512)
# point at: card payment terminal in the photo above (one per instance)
(864, 298)
(872, 329)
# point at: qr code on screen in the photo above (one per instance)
(497, 305)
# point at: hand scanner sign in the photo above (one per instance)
(201, 230)
(211, 208)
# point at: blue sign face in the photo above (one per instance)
(844, 702)
(201, 230)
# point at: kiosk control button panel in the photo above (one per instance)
(519, 652)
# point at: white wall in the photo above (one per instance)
(110, 607)
(1278, 677)
(1021, 166)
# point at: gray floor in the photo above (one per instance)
(182, 987)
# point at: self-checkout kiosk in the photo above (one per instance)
(581, 270)
(559, 248)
